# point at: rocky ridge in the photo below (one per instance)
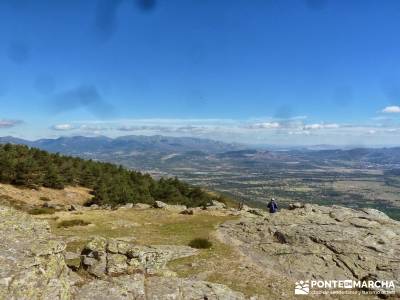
(319, 242)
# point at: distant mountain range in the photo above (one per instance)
(149, 151)
(78, 145)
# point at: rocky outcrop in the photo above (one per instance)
(216, 205)
(128, 271)
(32, 261)
(113, 257)
(33, 266)
(318, 242)
(305, 242)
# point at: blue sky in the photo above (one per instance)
(260, 71)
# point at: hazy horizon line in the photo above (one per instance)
(254, 145)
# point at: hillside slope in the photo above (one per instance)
(111, 184)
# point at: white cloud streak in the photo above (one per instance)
(317, 126)
(268, 130)
(63, 127)
(394, 109)
(9, 123)
(264, 125)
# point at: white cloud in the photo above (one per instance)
(94, 128)
(394, 109)
(264, 125)
(9, 123)
(156, 121)
(62, 127)
(299, 132)
(143, 128)
(266, 130)
(320, 126)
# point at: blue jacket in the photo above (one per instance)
(273, 207)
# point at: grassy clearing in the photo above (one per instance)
(146, 226)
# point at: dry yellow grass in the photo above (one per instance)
(150, 226)
(69, 195)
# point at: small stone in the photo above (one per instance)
(142, 206)
(126, 206)
(74, 207)
(188, 211)
(160, 204)
(296, 205)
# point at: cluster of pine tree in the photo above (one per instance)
(111, 184)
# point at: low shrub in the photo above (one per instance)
(46, 199)
(42, 211)
(200, 243)
(74, 222)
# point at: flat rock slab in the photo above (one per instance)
(139, 287)
(119, 288)
(183, 289)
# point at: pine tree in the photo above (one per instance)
(52, 178)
